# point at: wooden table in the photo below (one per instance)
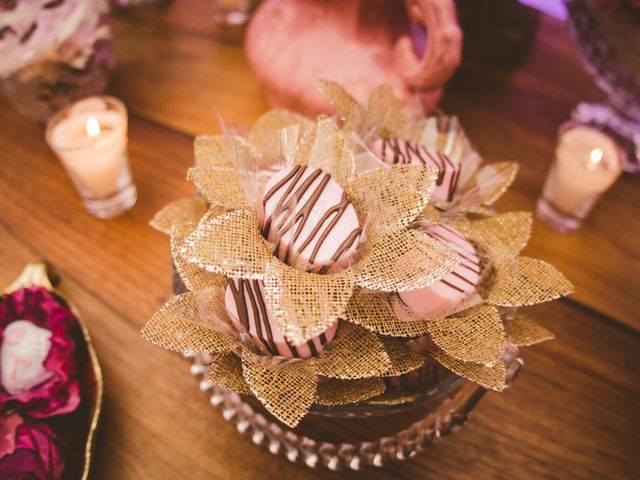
(572, 414)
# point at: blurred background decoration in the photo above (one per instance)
(359, 44)
(53, 52)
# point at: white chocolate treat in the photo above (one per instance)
(25, 347)
(244, 300)
(393, 151)
(309, 218)
(457, 285)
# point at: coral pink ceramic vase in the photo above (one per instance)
(359, 43)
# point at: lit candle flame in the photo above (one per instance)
(92, 127)
(595, 157)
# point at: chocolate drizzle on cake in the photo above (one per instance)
(469, 260)
(401, 152)
(294, 209)
(253, 316)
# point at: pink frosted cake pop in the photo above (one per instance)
(244, 300)
(457, 285)
(393, 151)
(310, 219)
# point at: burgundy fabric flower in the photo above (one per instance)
(59, 393)
(28, 451)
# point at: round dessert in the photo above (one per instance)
(244, 300)
(309, 218)
(457, 285)
(393, 151)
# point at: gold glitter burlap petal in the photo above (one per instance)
(183, 211)
(394, 398)
(353, 353)
(374, 311)
(220, 186)
(385, 112)
(266, 133)
(349, 110)
(333, 391)
(526, 281)
(230, 244)
(179, 326)
(324, 146)
(403, 359)
(391, 197)
(225, 370)
(404, 260)
(476, 335)
(193, 277)
(502, 236)
(221, 150)
(305, 304)
(493, 378)
(491, 182)
(523, 332)
(286, 390)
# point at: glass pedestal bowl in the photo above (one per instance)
(351, 437)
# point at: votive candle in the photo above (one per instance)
(90, 139)
(587, 162)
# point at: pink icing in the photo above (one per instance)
(244, 300)
(309, 218)
(457, 285)
(394, 151)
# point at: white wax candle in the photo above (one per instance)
(91, 141)
(587, 162)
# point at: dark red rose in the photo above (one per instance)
(28, 451)
(58, 392)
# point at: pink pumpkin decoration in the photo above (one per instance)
(359, 44)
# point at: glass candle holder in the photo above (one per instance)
(90, 139)
(587, 162)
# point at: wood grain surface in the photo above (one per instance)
(572, 414)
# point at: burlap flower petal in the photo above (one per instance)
(391, 197)
(220, 186)
(476, 335)
(324, 146)
(493, 378)
(502, 236)
(183, 211)
(221, 150)
(179, 326)
(526, 281)
(386, 112)
(349, 110)
(394, 398)
(333, 391)
(286, 390)
(491, 182)
(230, 244)
(404, 260)
(305, 304)
(403, 359)
(523, 332)
(193, 277)
(374, 311)
(354, 353)
(225, 370)
(270, 134)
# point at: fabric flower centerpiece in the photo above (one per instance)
(315, 270)
(37, 362)
(28, 450)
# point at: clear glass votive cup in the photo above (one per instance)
(90, 139)
(587, 162)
